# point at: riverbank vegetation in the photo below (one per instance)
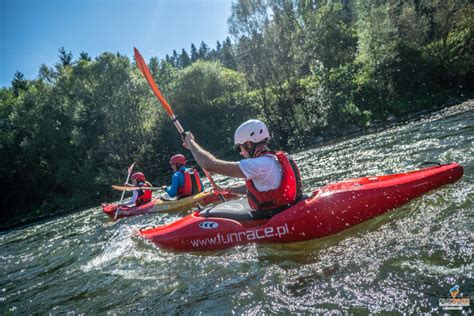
(310, 69)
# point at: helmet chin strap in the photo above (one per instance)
(252, 149)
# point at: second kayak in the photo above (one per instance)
(158, 205)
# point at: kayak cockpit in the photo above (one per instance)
(239, 210)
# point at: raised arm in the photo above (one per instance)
(209, 162)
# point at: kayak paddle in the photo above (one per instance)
(130, 169)
(131, 188)
(147, 74)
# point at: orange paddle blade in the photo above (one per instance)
(146, 73)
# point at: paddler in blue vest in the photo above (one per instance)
(272, 179)
(185, 181)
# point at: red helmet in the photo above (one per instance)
(178, 160)
(138, 176)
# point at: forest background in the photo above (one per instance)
(311, 69)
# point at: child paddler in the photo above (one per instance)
(139, 197)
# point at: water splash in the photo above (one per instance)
(400, 262)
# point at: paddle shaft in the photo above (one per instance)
(213, 184)
(131, 188)
(151, 82)
(123, 194)
(130, 169)
(178, 126)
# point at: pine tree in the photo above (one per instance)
(84, 56)
(203, 51)
(194, 53)
(184, 59)
(64, 57)
(227, 55)
(19, 83)
(175, 58)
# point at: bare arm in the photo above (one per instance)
(133, 200)
(207, 161)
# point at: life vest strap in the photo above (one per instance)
(268, 213)
(259, 204)
(299, 189)
(194, 184)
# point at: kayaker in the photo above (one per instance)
(185, 181)
(139, 197)
(273, 180)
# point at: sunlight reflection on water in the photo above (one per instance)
(402, 261)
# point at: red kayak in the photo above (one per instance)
(326, 211)
(158, 205)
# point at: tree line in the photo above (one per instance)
(306, 67)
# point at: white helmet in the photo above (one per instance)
(251, 131)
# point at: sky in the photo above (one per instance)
(32, 31)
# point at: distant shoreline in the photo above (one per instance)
(350, 132)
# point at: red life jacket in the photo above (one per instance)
(144, 196)
(285, 195)
(192, 183)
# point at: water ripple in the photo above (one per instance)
(400, 262)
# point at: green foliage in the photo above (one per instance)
(330, 36)
(208, 90)
(451, 55)
(19, 83)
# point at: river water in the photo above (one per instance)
(401, 262)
